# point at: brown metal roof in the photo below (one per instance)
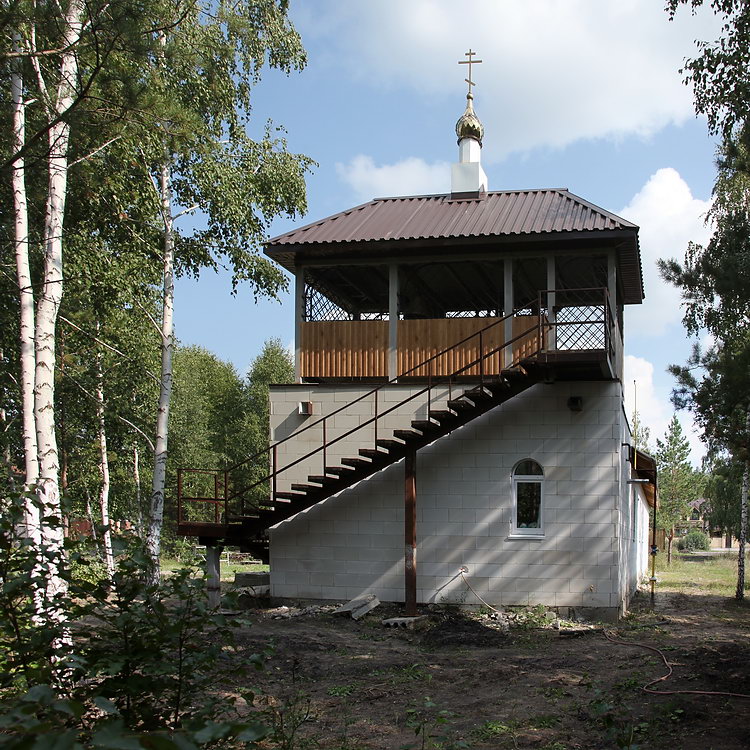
(508, 212)
(508, 215)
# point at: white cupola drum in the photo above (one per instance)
(467, 176)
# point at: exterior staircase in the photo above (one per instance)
(234, 524)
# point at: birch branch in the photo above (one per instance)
(119, 416)
(153, 322)
(108, 346)
(185, 211)
(95, 151)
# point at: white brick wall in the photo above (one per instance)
(354, 543)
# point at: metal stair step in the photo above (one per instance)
(407, 435)
(307, 489)
(477, 394)
(390, 445)
(356, 463)
(460, 404)
(425, 425)
(287, 497)
(374, 455)
(340, 471)
(443, 415)
(322, 480)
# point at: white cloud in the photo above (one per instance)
(410, 176)
(654, 408)
(553, 72)
(669, 217)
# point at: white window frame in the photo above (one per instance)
(517, 479)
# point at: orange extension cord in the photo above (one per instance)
(648, 689)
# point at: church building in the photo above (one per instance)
(456, 431)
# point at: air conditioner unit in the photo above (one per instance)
(305, 408)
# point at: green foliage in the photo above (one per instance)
(641, 433)
(431, 726)
(273, 366)
(720, 74)
(714, 385)
(723, 494)
(694, 540)
(678, 482)
(110, 664)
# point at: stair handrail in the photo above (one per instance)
(379, 387)
(438, 379)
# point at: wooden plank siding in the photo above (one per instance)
(359, 349)
(344, 349)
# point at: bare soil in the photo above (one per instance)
(333, 683)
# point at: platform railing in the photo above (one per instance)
(590, 323)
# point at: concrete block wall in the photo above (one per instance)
(326, 399)
(634, 526)
(353, 543)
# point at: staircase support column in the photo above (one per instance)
(410, 533)
(213, 575)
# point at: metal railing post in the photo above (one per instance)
(481, 359)
(179, 495)
(226, 500)
(216, 498)
(274, 464)
(325, 444)
(375, 445)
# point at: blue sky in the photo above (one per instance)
(583, 94)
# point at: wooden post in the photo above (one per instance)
(508, 308)
(551, 302)
(299, 315)
(392, 321)
(410, 533)
(213, 575)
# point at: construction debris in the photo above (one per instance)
(358, 608)
(408, 623)
(252, 580)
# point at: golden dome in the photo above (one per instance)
(469, 125)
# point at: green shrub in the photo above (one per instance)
(111, 664)
(694, 540)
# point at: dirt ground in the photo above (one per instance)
(333, 683)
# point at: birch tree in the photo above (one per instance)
(203, 160)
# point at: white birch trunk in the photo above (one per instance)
(109, 558)
(156, 515)
(25, 292)
(137, 482)
(740, 593)
(48, 305)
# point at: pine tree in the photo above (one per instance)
(678, 484)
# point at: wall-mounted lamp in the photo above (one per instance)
(575, 403)
(305, 409)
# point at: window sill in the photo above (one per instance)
(525, 536)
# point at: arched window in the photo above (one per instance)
(528, 478)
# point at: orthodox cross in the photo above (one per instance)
(469, 62)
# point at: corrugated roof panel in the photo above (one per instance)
(437, 216)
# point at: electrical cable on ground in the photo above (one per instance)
(462, 573)
(647, 687)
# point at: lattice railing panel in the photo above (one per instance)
(471, 314)
(320, 307)
(580, 328)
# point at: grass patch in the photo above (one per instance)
(715, 575)
(227, 569)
